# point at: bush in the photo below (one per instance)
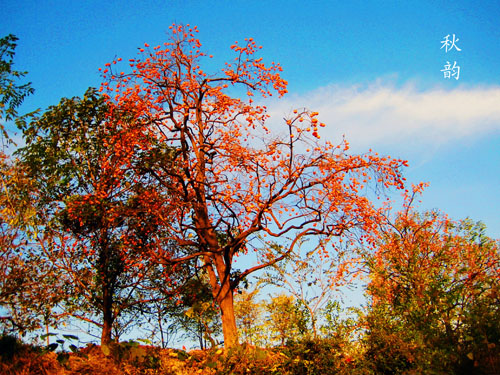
(320, 356)
(9, 345)
(241, 359)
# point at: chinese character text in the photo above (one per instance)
(448, 44)
(451, 71)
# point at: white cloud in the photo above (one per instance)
(383, 114)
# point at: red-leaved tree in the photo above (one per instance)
(225, 183)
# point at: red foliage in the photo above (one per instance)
(222, 177)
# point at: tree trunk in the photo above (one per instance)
(108, 275)
(107, 324)
(229, 329)
(163, 346)
(223, 295)
(313, 322)
(222, 290)
(106, 333)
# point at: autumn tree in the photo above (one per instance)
(232, 180)
(313, 278)
(197, 315)
(286, 319)
(249, 315)
(93, 228)
(271, 321)
(434, 287)
(25, 300)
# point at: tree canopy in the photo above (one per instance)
(130, 206)
(433, 287)
(92, 227)
(231, 181)
(12, 94)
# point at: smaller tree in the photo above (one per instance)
(340, 323)
(313, 277)
(94, 228)
(161, 329)
(16, 211)
(26, 299)
(249, 318)
(196, 314)
(286, 319)
(432, 281)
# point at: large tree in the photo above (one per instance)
(232, 181)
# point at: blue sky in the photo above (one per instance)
(371, 68)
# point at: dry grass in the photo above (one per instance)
(92, 361)
(135, 360)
